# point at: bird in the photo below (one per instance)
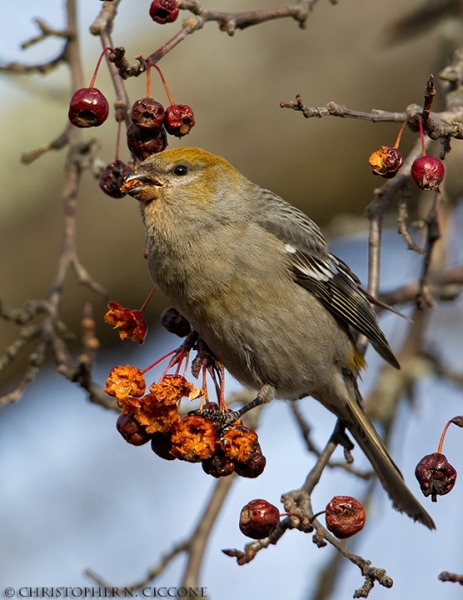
(256, 280)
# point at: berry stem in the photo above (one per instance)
(181, 356)
(156, 362)
(399, 135)
(321, 512)
(148, 78)
(423, 147)
(95, 72)
(442, 437)
(145, 303)
(164, 83)
(177, 359)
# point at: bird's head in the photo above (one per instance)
(187, 175)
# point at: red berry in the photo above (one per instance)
(258, 519)
(435, 475)
(164, 11)
(428, 172)
(131, 430)
(218, 465)
(176, 323)
(254, 466)
(142, 143)
(113, 177)
(88, 108)
(179, 119)
(162, 445)
(344, 516)
(386, 162)
(147, 113)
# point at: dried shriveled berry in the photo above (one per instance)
(435, 475)
(164, 11)
(153, 415)
(218, 465)
(131, 430)
(174, 322)
(258, 519)
(129, 322)
(125, 381)
(88, 108)
(193, 439)
(428, 172)
(112, 178)
(172, 388)
(344, 516)
(179, 120)
(161, 445)
(142, 143)
(238, 442)
(147, 113)
(386, 161)
(254, 466)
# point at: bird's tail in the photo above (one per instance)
(358, 423)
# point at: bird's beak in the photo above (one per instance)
(141, 186)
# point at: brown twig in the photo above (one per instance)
(429, 94)
(311, 447)
(150, 576)
(51, 330)
(201, 534)
(332, 109)
(228, 22)
(45, 67)
(438, 125)
(194, 546)
(57, 144)
(447, 286)
(424, 298)
(102, 26)
(453, 577)
(298, 503)
(402, 220)
(45, 32)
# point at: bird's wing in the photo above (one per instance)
(327, 277)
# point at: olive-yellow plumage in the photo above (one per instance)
(256, 280)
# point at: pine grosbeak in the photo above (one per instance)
(256, 280)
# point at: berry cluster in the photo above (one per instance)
(434, 473)
(155, 416)
(426, 171)
(193, 438)
(344, 517)
(150, 121)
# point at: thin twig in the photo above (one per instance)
(402, 221)
(453, 577)
(228, 22)
(311, 447)
(299, 505)
(424, 298)
(102, 26)
(201, 534)
(151, 574)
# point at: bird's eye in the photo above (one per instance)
(180, 170)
